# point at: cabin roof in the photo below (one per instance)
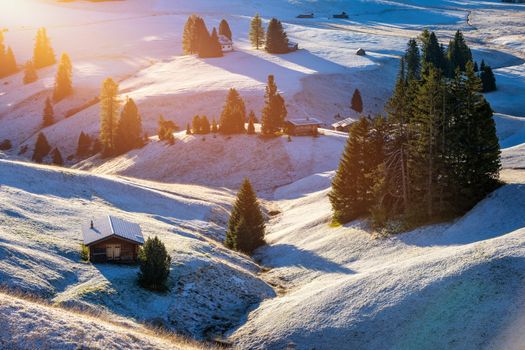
(304, 121)
(224, 40)
(344, 123)
(109, 226)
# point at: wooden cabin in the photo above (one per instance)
(226, 43)
(344, 125)
(360, 52)
(110, 239)
(292, 46)
(302, 127)
(342, 15)
(306, 15)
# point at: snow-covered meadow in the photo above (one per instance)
(457, 285)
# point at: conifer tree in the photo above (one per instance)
(274, 112)
(211, 46)
(2, 50)
(214, 127)
(351, 195)
(246, 224)
(155, 265)
(188, 129)
(412, 60)
(276, 38)
(7, 63)
(458, 53)
(30, 73)
(42, 148)
(205, 49)
(57, 157)
(129, 129)
(251, 124)
(488, 80)
(196, 125)
(166, 130)
(97, 146)
(224, 29)
(83, 145)
(63, 80)
(205, 125)
(189, 45)
(109, 108)
(48, 114)
(357, 101)
(432, 52)
(257, 34)
(233, 115)
(43, 54)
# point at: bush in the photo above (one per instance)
(5, 145)
(154, 265)
(84, 252)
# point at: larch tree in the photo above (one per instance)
(30, 73)
(233, 115)
(42, 148)
(224, 29)
(129, 129)
(43, 54)
(257, 34)
(274, 112)
(48, 116)
(189, 46)
(276, 38)
(63, 79)
(246, 225)
(109, 108)
(357, 101)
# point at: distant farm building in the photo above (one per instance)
(342, 15)
(360, 52)
(343, 125)
(226, 43)
(293, 46)
(306, 15)
(305, 126)
(110, 239)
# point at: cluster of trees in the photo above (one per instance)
(246, 224)
(118, 135)
(166, 129)
(7, 59)
(86, 146)
(434, 156)
(44, 56)
(274, 40)
(43, 149)
(196, 39)
(201, 125)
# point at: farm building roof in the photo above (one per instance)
(304, 121)
(107, 226)
(344, 123)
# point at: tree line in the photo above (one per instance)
(434, 155)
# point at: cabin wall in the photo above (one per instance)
(297, 130)
(128, 251)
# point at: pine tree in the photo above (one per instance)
(155, 265)
(205, 125)
(458, 53)
(432, 52)
(276, 38)
(488, 80)
(42, 148)
(251, 124)
(30, 74)
(412, 60)
(357, 101)
(188, 129)
(205, 49)
(97, 146)
(57, 157)
(210, 45)
(83, 145)
(109, 108)
(351, 195)
(274, 112)
(246, 224)
(224, 29)
(166, 130)
(257, 35)
(189, 45)
(233, 115)
(43, 54)
(48, 114)
(63, 80)
(196, 124)
(129, 129)
(214, 127)
(7, 63)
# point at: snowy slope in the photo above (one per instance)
(40, 217)
(454, 286)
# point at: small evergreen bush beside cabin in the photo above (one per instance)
(246, 224)
(155, 264)
(84, 253)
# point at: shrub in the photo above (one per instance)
(84, 252)
(154, 265)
